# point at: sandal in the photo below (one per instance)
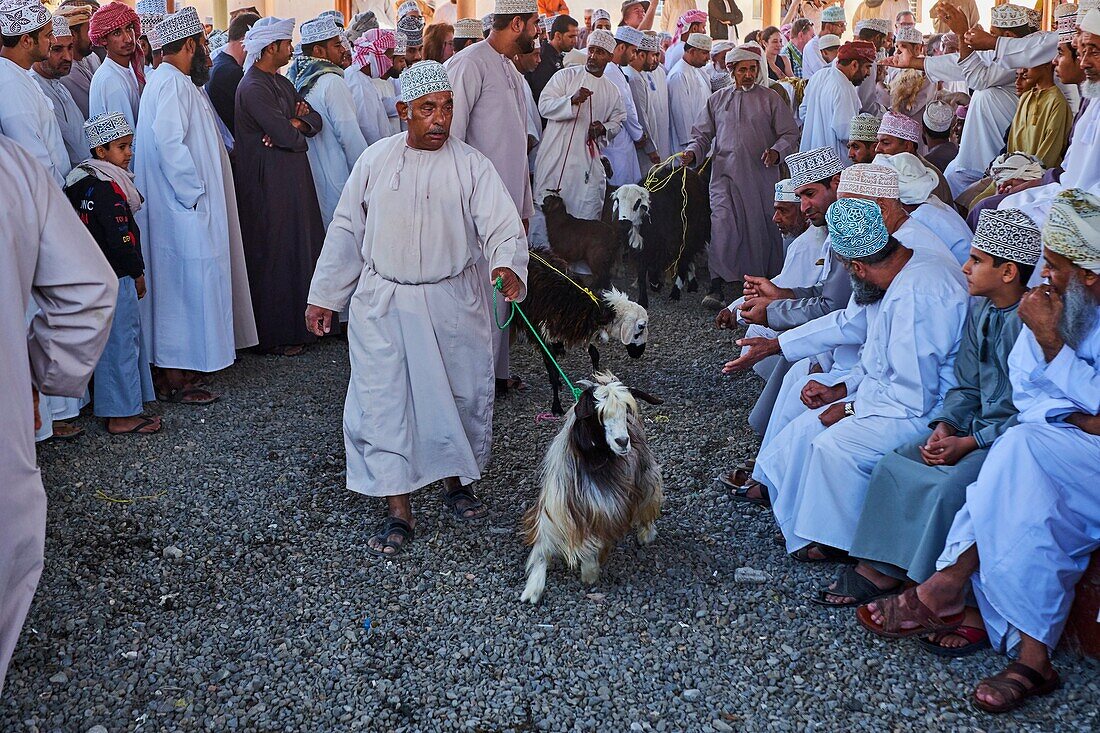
(69, 431)
(828, 554)
(853, 585)
(139, 429)
(914, 611)
(741, 494)
(1014, 690)
(392, 526)
(461, 500)
(188, 396)
(976, 640)
(740, 475)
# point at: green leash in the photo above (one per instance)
(497, 287)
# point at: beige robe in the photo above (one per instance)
(402, 254)
(45, 254)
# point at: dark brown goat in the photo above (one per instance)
(593, 242)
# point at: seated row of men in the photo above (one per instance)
(924, 408)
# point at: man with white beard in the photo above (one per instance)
(916, 182)
(1033, 514)
(199, 309)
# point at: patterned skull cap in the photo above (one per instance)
(1073, 228)
(1065, 22)
(784, 192)
(650, 43)
(833, 14)
(468, 28)
(869, 179)
(1034, 19)
(600, 14)
(827, 41)
(878, 25)
(18, 17)
(700, 40)
(628, 35)
(864, 128)
(900, 126)
(813, 166)
(103, 128)
(218, 39)
(321, 28)
(61, 27)
(409, 6)
(909, 34)
(156, 44)
(151, 7)
(515, 7)
(1008, 16)
(486, 22)
(938, 117)
(399, 45)
(179, 25)
(423, 78)
(602, 39)
(1008, 234)
(856, 228)
(413, 28)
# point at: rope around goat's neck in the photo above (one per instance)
(498, 285)
(653, 183)
(573, 282)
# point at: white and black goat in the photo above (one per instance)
(568, 319)
(600, 480)
(656, 222)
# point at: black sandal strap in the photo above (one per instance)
(462, 493)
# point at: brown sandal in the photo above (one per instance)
(906, 607)
(1015, 691)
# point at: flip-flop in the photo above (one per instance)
(976, 640)
(392, 525)
(915, 612)
(1003, 684)
(138, 429)
(76, 433)
(852, 585)
(184, 395)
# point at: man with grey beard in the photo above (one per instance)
(1033, 515)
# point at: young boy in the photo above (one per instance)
(102, 191)
(916, 490)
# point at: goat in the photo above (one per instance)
(593, 242)
(656, 223)
(599, 481)
(567, 318)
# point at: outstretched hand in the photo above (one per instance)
(759, 349)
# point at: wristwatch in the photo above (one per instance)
(849, 409)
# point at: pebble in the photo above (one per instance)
(750, 575)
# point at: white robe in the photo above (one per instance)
(992, 105)
(812, 62)
(48, 261)
(673, 55)
(114, 89)
(1034, 511)
(948, 226)
(817, 476)
(199, 309)
(387, 91)
(688, 92)
(830, 101)
(333, 151)
(620, 151)
(403, 253)
(566, 161)
(657, 111)
(370, 111)
(26, 117)
(70, 120)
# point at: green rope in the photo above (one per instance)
(497, 287)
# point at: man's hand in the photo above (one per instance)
(948, 450)
(725, 319)
(596, 130)
(762, 287)
(952, 16)
(298, 125)
(1083, 421)
(755, 311)
(770, 157)
(759, 349)
(979, 39)
(301, 109)
(139, 285)
(318, 320)
(1024, 185)
(654, 158)
(687, 158)
(267, 141)
(1041, 310)
(581, 96)
(815, 394)
(511, 286)
(833, 415)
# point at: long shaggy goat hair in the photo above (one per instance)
(600, 480)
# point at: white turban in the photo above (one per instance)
(916, 181)
(1009, 166)
(262, 34)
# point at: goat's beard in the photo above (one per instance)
(864, 292)
(1079, 313)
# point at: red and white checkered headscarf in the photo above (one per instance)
(108, 19)
(685, 21)
(370, 51)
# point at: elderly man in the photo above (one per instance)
(863, 138)
(198, 311)
(748, 130)
(831, 100)
(25, 114)
(834, 24)
(901, 134)
(621, 152)
(117, 84)
(319, 79)
(490, 114)
(280, 216)
(48, 73)
(48, 261)
(688, 89)
(802, 32)
(402, 256)
(583, 110)
(913, 306)
(1032, 514)
(85, 62)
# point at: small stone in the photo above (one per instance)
(692, 695)
(721, 726)
(172, 552)
(750, 575)
(97, 729)
(59, 679)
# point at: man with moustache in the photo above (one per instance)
(85, 62)
(117, 84)
(48, 73)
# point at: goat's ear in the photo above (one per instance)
(586, 405)
(646, 397)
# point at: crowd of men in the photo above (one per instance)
(910, 226)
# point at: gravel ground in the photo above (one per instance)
(238, 597)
